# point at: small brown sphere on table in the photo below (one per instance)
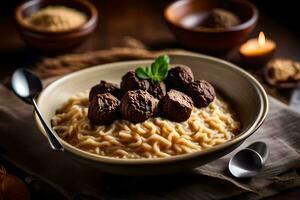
(282, 73)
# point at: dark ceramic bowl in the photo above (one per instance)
(246, 95)
(184, 16)
(59, 40)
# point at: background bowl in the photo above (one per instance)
(60, 40)
(180, 14)
(245, 94)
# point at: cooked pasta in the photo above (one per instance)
(153, 138)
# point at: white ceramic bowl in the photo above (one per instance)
(245, 94)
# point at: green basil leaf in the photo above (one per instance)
(164, 76)
(158, 70)
(155, 68)
(159, 60)
(141, 73)
(163, 59)
(160, 67)
(163, 70)
(166, 59)
(163, 73)
(148, 71)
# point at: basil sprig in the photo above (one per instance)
(158, 70)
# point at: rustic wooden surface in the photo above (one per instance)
(142, 20)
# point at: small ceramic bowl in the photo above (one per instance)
(57, 41)
(244, 93)
(185, 16)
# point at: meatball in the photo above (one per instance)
(158, 89)
(176, 106)
(105, 87)
(131, 82)
(103, 109)
(138, 105)
(202, 93)
(178, 77)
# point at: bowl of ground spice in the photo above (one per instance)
(56, 25)
(211, 25)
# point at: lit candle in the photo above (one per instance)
(258, 50)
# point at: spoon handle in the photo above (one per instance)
(52, 137)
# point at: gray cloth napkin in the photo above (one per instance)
(22, 144)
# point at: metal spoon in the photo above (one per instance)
(27, 86)
(248, 162)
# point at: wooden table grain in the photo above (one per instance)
(144, 21)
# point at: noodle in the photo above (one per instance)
(153, 138)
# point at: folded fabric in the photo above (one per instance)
(22, 144)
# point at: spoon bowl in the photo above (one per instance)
(27, 86)
(261, 148)
(246, 163)
(249, 161)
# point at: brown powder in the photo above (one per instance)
(220, 18)
(56, 18)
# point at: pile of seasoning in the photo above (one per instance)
(283, 72)
(220, 18)
(56, 18)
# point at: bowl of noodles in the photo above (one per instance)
(159, 143)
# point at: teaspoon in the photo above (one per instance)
(27, 86)
(248, 162)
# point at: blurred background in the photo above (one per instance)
(143, 20)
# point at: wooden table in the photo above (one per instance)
(142, 20)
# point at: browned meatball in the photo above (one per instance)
(176, 106)
(158, 89)
(202, 93)
(131, 82)
(178, 77)
(103, 109)
(137, 106)
(105, 87)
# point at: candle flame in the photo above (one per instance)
(261, 39)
